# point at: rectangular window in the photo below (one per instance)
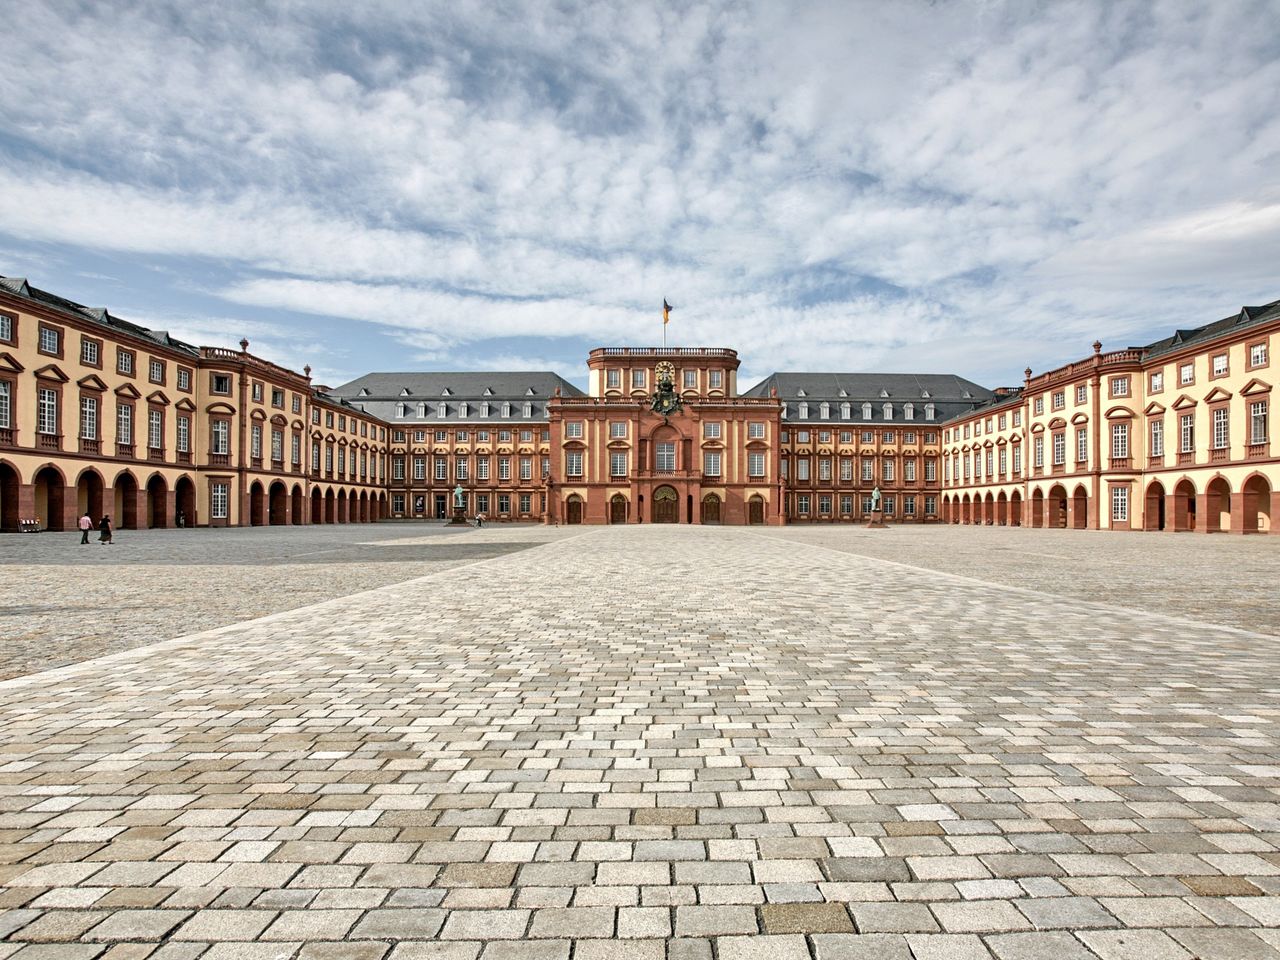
(1119, 441)
(1082, 444)
(802, 436)
(482, 503)
(397, 468)
(866, 504)
(1187, 373)
(755, 464)
(637, 379)
(1120, 503)
(613, 378)
(1186, 433)
(930, 470)
(526, 502)
(824, 503)
(526, 467)
(88, 418)
(1119, 386)
(1220, 365)
(50, 340)
(124, 424)
(220, 383)
(886, 471)
(666, 456)
(184, 434)
(846, 469)
(868, 436)
(420, 467)
(1004, 460)
(846, 504)
(802, 504)
(255, 441)
(908, 506)
(711, 430)
(482, 468)
(1157, 381)
(397, 503)
(617, 464)
(715, 378)
(909, 470)
(1082, 393)
(277, 446)
(155, 370)
(690, 379)
(1221, 435)
(504, 503)
(711, 463)
(573, 429)
(315, 457)
(295, 450)
(256, 392)
(89, 352)
(868, 470)
(220, 497)
(618, 430)
(1059, 448)
(1039, 405)
(441, 468)
(824, 468)
(277, 398)
(461, 467)
(1038, 447)
(930, 506)
(802, 468)
(1059, 399)
(573, 463)
(155, 430)
(1017, 418)
(184, 379)
(1157, 438)
(1017, 459)
(888, 504)
(1258, 421)
(504, 468)
(220, 437)
(6, 328)
(297, 408)
(1258, 355)
(124, 362)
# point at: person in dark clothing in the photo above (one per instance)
(104, 530)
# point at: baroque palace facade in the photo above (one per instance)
(100, 415)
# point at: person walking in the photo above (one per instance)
(104, 529)
(85, 525)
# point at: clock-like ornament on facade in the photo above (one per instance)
(665, 400)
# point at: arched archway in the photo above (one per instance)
(364, 506)
(330, 507)
(184, 492)
(1153, 517)
(1037, 508)
(1057, 505)
(10, 481)
(573, 509)
(50, 498)
(1184, 505)
(711, 509)
(666, 505)
(1015, 509)
(989, 510)
(1217, 502)
(157, 502)
(966, 510)
(617, 508)
(342, 506)
(1002, 509)
(295, 506)
(257, 505)
(382, 506)
(1080, 509)
(277, 504)
(126, 502)
(1257, 504)
(755, 510)
(317, 506)
(89, 490)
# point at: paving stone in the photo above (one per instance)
(1066, 913)
(947, 946)
(893, 918)
(1133, 945)
(1055, 944)
(399, 924)
(872, 946)
(806, 918)
(762, 947)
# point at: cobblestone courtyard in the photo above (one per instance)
(648, 742)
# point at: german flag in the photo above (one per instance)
(666, 312)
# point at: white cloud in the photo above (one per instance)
(819, 185)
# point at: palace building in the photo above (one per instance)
(101, 415)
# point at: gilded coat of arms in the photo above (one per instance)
(665, 400)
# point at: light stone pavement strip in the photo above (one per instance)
(654, 742)
(62, 602)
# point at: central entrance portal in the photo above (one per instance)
(665, 506)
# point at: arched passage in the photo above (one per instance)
(257, 505)
(1080, 509)
(989, 510)
(1184, 505)
(617, 508)
(1257, 504)
(1015, 509)
(184, 492)
(711, 509)
(1002, 509)
(317, 506)
(755, 510)
(1057, 505)
(1217, 502)
(342, 506)
(1037, 508)
(277, 504)
(295, 504)
(330, 507)
(50, 493)
(125, 516)
(666, 505)
(157, 502)
(89, 490)
(1153, 516)
(9, 483)
(573, 509)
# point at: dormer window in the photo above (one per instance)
(824, 410)
(402, 410)
(866, 411)
(883, 393)
(528, 410)
(364, 392)
(802, 411)
(462, 409)
(908, 411)
(404, 391)
(888, 411)
(801, 393)
(928, 411)
(484, 407)
(446, 392)
(506, 409)
(442, 409)
(925, 394)
(846, 409)
(530, 392)
(488, 391)
(843, 392)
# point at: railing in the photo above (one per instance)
(48, 441)
(1186, 458)
(1219, 454)
(124, 450)
(1256, 450)
(90, 446)
(219, 459)
(1121, 463)
(235, 356)
(184, 456)
(664, 352)
(255, 463)
(155, 453)
(277, 465)
(1155, 463)
(6, 436)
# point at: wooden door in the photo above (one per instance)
(711, 509)
(755, 511)
(665, 506)
(573, 511)
(618, 509)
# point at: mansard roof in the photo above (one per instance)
(1247, 317)
(382, 394)
(97, 315)
(948, 393)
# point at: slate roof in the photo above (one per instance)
(1247, 317)
(381, 394)
(949, 394)
(98, 315)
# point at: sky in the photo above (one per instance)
(951, 187)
